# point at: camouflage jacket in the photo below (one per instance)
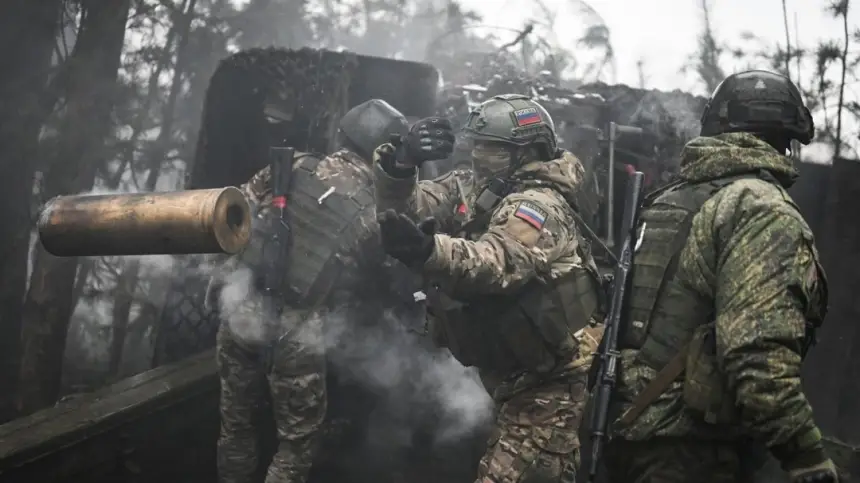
(752, 256)
(347, 173)
(531, 234)
(511, 250)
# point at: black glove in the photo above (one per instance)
(429, 139)
(404, 240)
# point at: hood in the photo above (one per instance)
(564, 174)
(731, 154)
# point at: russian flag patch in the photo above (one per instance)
(531, 214)
(527, 116)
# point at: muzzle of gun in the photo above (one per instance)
(164, 223)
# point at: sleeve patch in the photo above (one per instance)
(531, 214)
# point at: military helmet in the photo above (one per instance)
(372, 123)
(514, 119)
(758, 101)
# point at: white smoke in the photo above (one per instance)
(384, 357)
(241, 307)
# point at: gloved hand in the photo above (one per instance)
(404, 240)
(429, 139)
(824, 472)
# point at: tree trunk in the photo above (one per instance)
(89, 100)
(128, 280)
(28, 30)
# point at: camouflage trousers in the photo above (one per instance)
(535, 436)
(293, 373)
(672, 461)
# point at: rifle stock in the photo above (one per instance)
(606, 359)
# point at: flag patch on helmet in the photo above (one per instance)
(531, 214)
(527, 116)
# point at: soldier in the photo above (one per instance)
(509, 280)
(275, 342)
(726, 296)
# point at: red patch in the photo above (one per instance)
(279, 202)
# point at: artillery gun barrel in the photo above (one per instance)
(168, 223)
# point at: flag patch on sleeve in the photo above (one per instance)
(531, 214)
(527, 116)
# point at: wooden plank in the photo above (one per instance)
(114, 406)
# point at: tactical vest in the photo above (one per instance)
(529, 331)
(322, 223)
(670, 326)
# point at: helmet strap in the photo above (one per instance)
(518, 154)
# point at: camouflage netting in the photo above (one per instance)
(311, 85)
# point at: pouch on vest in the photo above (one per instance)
(705, 389)
(549, 317)
(464, 331)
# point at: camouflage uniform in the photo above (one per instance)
(748, 265)
(488, 262)
(285, 354)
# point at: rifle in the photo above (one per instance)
(606, 358)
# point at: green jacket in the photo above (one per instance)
(751, 259)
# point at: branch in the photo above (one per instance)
(842, 9)
(787, 41)
(522, 35)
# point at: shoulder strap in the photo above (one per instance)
(675, 367)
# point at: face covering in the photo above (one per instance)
(490, 160)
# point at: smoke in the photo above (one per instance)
(376, 352)
(414, 376)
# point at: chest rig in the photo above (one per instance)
(528, 331)
(671, 326)
(316, 223)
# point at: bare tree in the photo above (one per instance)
(640, 70)
(86, 122)
(128, 281)
(840, 9)
(708, 58)
(28, 32)
(787, 40)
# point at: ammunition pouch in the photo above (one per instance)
(462, 330)
(532, 331)
(705, 390)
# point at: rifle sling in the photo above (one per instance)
(656, 387)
